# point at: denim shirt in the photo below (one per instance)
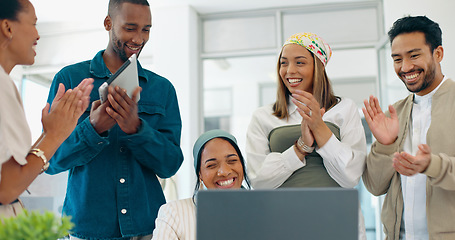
(113, 191)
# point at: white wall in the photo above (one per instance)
(173, 42)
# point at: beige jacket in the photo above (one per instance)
(381, 178)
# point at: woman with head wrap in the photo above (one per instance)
(219, 164)
(20, 165)
(309, 137)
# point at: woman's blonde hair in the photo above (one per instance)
(322, 90)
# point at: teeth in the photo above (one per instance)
(409, 77)
(34, 47)
(294, 80)
(227, 182)
(134, 48)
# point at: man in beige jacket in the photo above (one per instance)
(413, 158)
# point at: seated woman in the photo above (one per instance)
(218, 164)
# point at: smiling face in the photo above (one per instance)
(23, 38)
(129, 29)
(415, 64)
(297, 68)
(220, 165)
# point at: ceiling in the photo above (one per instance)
(89, 10)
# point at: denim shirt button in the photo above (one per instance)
(123, 211)
(122, 180)
(122, 149)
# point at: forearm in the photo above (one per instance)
(379, 169)
(272, 169)
(322, 134)
(158, 150)
(78, 149)
(344, 162)
(441, 171)
(15, 178)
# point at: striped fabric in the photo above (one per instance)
(176, 220)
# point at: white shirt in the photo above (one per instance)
(344, 160)
(15, 136)
(176, 221)
(414, 187)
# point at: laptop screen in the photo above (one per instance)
(303, 213)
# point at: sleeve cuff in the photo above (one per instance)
(386, 149)
(434, 167)
(291, 160)
(91, 136)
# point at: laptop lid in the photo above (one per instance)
(304, 213)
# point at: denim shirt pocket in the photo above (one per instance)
(151, 113)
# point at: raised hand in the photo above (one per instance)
(123, 109)
(61, 121)
(85, 86)
(385, 129)
(409, 165)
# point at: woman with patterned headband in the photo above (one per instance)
(309, 137)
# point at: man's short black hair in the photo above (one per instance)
(113, 4)
(431, 29)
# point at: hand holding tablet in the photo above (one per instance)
(126, 77)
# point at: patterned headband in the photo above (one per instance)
(313, 43)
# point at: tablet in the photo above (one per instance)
(126, 77)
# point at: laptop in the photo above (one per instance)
(126, 77)
(292, 213)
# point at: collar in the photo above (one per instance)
(99, 69)
(292, 108)
(420, 99)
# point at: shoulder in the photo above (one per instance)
(401, 104)
(343, 114)
(76, 66)
(178, 206)
(74, 71)
(345, 107)
(346, 103)
(154, 77)
(264, 111)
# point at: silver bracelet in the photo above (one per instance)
(304, 147)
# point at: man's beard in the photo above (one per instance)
(428, 79)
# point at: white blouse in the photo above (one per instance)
(176, 221)
(15, 136)
(344, 159)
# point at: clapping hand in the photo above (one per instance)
(312, 126)
(385, 129)
(409, 165)
(66, 109)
